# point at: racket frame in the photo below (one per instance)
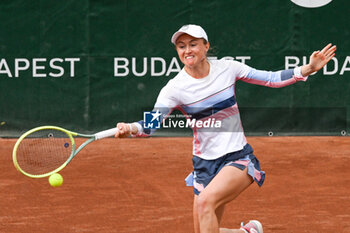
(71, 136)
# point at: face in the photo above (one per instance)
(192, 51)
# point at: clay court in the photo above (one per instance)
(137, 185)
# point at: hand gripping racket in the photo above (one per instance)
(45, 150)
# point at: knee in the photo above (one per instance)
(205, 205)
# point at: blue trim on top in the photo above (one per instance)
(209, 100)
(287, 74)
(214, 109)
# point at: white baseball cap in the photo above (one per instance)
(190, 29)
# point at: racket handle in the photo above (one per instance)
(106, 133)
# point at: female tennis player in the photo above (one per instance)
(223, 162)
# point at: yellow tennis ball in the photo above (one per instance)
(55, 180)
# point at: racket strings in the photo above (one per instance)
(43, 151)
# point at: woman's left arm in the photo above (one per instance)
(276, 79)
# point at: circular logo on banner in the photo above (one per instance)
(311, 3)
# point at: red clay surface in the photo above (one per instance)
(137, 185)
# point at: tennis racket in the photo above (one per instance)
(45, 150)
